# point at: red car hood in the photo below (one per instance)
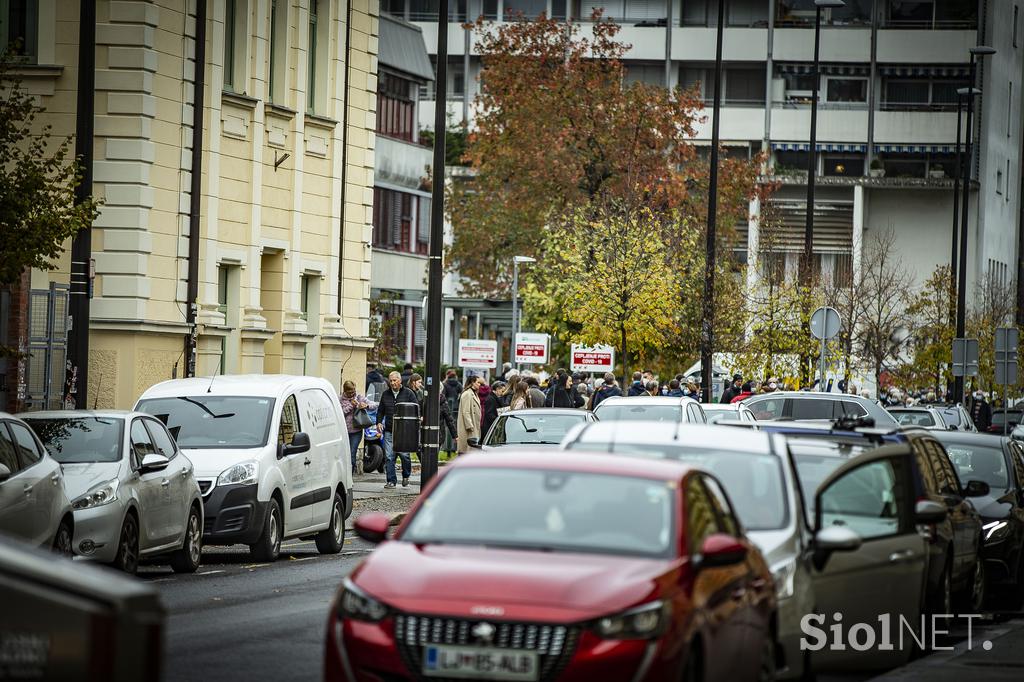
(477, 582)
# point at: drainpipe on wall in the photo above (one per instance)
(195, 189)
(344, 159)
(872, 95)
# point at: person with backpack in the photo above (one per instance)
(609, 389)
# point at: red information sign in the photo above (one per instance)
(592, 359)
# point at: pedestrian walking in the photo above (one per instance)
(452, 386)
(537, 396)
(351, 402)
(609, 389)
(748, 389)
(492, 405)
(520, 396)
(470, 414)
(407, 373)
(562, 393)
(637, 387)
(373, 375)
(981, 412)
(734, 388)
(394, 394)
(651, 389)
(674, 389)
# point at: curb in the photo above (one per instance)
(397, 518)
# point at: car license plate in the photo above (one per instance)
(480, 663)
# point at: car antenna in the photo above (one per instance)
(210, 387)
(96, 397)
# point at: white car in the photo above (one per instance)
(271, 456)
(728, 412)
(132, 491)
(33, 503)
(655, 408)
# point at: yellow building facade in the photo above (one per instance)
(284, 268)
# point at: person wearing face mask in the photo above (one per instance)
(770, 386)
(981, 413)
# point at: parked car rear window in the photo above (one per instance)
(80, 439)
(979, 463)
(549, 511)
(626, 412)
(914, 418)
(809, 408)
(533, 429)
(214, 421)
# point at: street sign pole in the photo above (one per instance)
(825, 324)
(1006, 364)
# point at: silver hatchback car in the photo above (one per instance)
(133, 492)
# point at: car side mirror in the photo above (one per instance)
(833, 539)
(373, 527)
(153, 462)
(928, 512)
(5, 473)
(300, 443)
(720, 549)
(976, 489)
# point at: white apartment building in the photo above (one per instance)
(887, 93)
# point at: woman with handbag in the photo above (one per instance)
(355, 406)
(469, 415)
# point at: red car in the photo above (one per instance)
(529, 567)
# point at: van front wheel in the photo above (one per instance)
(268, 547)
(331, 539)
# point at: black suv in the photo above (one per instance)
(998, 462)
(954, 566)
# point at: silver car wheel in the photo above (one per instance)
(194, 538)
(272, 535)
(336, 519)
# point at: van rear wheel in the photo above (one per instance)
(331, 539)
(268, 547)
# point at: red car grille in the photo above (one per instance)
(554, 643)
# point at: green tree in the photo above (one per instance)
(38, 176)
(607, 272)
(931, 334)
(884, 291)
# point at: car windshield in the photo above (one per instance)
(545, 510)
(70, 440)
(633, 412)
(753, 482)
(975, 462)
(716, 416)
(951, 417)
(999, 417)
(914, 418)
(214, 421)
(532, 429)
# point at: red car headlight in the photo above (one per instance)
(647, 621)
(358, 605)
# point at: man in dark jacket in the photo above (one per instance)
(609, 389)
(637, 388)
(537, 396)
(734, 389)
(562, 393)
(491, 404)
(407, 373)
(981, 413)
(395, 393)
(373, 375)
(452, 386)
(674, 390)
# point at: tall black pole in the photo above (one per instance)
(435, 274)
(961, 280)
(708, 325)
(195, 189)
(812, 159)
(76, 381)
(956, 212)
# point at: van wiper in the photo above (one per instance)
(206, 409)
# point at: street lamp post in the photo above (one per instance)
(961, 94)
(812, 156)
(516, 260)
(711, 239)
(961, 280)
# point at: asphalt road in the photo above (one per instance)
(239, 620)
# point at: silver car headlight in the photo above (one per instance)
(99, 495)
(647, 621)
(784, 574)
(240, 474)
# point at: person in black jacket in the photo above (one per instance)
(395, 393)
(562, 394)
(609, 389)
(637, 387)
(373, 375)
(494, 400)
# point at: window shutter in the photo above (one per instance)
(395, 217)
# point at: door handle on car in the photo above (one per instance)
(902, 556)
(164, 483)
(307, 462)
(28, 490)
(184, 472)
(55, 479)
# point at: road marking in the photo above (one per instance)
(210, 572)
(161, 580)
(252, 566)
(305, 558)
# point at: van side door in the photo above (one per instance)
(296, 469)
(323, 424)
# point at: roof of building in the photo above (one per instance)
(401, 48)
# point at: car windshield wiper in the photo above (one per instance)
(206, 409)
(534, 442)
(525, 427)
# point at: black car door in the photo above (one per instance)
(966, 524)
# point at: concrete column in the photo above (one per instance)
(253, 341)
(860, 208)
(208, 351)
(753, 241)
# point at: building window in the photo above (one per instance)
(397, 218)
(395, 8)
(919, 165)
(1007, 179)
(917, 94)
(19, 28)
(426, 10)
(745, 87)
(844, 90)
(278, 38)
(395, 329)
(396, 107)
(932, 14)
(230, 28)
(802, 13)
(844, 166)
(1009, 108)
(222, 291)
(524, 9)
(309, 301)
(1016, 16)
(649, 74)
(312, 56)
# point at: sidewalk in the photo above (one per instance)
(996, 654)
(369, 494)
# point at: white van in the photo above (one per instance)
(270, 454)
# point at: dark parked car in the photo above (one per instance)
(954, 566)
(1009, 418)
(1000, 464)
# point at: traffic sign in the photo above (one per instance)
(965, 357)
(531, 349)
(591, 358)
(825, 323)
(478, 353)
(1006, 355)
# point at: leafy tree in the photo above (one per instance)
(607, 272)
(994, 306)
(931, 337)
(558, 128)
(38, 176)
(884, 286)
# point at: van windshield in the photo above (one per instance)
(214, 421)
